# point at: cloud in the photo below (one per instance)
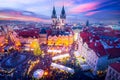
(14, 16)
(84, 7)
(21, 1)
(21, 4)
(74, 8)
(66, 3)
(91, 13)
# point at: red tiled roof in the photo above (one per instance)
(98, 48)
(110, 31)
(86, 36)
(29, 33)
(112, 43)
(116, 66)
(102, 28)
(96, 37)
(92, 45)
(113, 52)
(49, 32)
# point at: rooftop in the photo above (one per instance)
(116, 66)
(98, 48)
(93, 43)
(29, 33)
(113, 52)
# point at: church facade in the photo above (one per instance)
(61, 37)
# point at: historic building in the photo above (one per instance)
(93, 51)
(58, 22)
(113, 72)
(60, 37)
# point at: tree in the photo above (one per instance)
(36, 48)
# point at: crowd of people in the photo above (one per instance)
(21, 70)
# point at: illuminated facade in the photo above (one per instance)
(96, 56)
(2, 42)
(59, 40)
(9, 39)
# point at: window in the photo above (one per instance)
(95, 61)
(112, 78)
(116, 75)
(109, 76)
(110, 71)
(94, 66)
(113, 72)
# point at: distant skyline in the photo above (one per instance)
(76, 10)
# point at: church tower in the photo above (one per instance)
(54, 17)
(58, 23)
(87, 23)
(63, 16)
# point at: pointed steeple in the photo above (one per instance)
(87, 23)
(54, 13)
(63, 14)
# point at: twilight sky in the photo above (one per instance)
(76, 10)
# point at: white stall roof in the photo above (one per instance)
(60, 56)
(63, 68)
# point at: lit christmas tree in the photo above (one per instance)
(36, 48)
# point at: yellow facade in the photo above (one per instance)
(60, 40)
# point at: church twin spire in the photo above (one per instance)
(54, 13)
(58, 22)
(62, 15)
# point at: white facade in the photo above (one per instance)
(92, 59)
(112, 74)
